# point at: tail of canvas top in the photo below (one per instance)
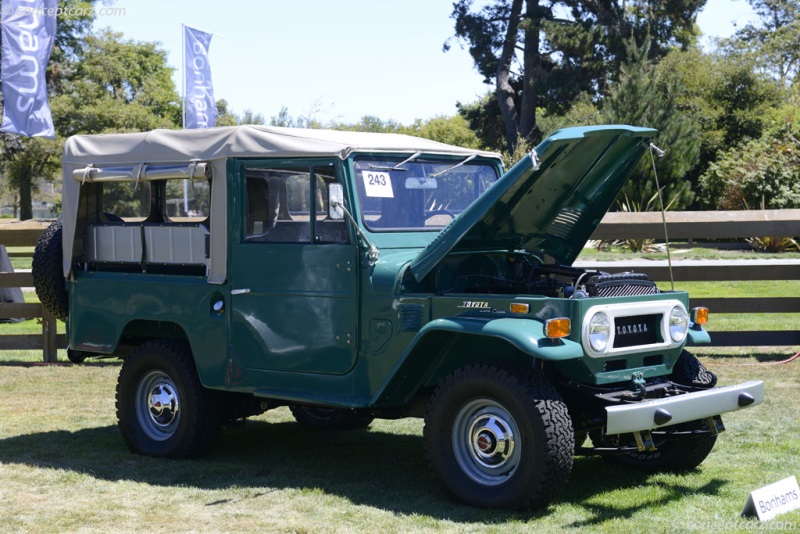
(348, 276)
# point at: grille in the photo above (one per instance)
(636, 330)
(620, 285)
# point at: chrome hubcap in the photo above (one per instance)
(485, 440)
(158, 406)
(163, 405)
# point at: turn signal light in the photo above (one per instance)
(699, 315)
(518, 307)
(556, 328)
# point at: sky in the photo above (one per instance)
(334, 61)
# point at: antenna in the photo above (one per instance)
(660, 153)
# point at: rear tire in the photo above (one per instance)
(496, 437)
(162, 408)
(48, 273)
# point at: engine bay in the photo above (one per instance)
(518, 273)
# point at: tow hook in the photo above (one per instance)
(644, 441)
(715, 425)
(637, 380)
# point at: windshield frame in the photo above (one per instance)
(486, 171)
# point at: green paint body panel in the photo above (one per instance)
(106, 308)
(317, 323)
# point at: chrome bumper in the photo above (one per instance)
(683, 408)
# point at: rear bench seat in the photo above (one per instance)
(147, 245)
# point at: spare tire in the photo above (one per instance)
(48, 274)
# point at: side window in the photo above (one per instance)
(278, 205)
(326, 230)
(127, 200)
(188, 201)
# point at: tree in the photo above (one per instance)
(39, 158)
(773, 41)
(118, 85)
(451, 130)
(539, 60)
(638, 98)
(225, 116)
(484, 118)
(725, 96)
(761, 172)
(287, 121)
(250, 117)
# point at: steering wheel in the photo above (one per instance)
(432, 213)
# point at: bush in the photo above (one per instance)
(763, 171)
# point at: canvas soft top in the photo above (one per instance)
(215, 146)
(167, 146)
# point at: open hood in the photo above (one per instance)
(552, 207)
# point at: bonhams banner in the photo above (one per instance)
(28, 29)
(200, 106)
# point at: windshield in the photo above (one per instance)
(423, 193)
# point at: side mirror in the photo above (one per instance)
(336, 202)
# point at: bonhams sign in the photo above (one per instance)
(29, 27)
(200, 106)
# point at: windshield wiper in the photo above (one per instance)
(448, 169)
(396, 167)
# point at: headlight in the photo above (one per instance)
(678, 324)
(599, 331)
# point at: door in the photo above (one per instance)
(293, 275)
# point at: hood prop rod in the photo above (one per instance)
(660, 153)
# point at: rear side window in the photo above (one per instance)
(188, 200)
(128, 200)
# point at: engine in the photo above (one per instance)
(521, 274)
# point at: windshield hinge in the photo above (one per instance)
(373, 254)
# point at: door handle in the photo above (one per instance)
(239, 291)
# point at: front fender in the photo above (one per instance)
(698, 336)
(527, 335)
(445, 344)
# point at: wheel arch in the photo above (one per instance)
(445, 345)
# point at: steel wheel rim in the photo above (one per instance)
(485, 439)
(158, 406)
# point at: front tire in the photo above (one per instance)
(162, 408)
(496, 437)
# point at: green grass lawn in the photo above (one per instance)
(65, 467)
(682, 251)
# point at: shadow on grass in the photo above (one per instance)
(761, 357)
(372, 468)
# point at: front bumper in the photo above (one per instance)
(683, 408)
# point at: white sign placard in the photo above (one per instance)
(770, 501)
(377, 184)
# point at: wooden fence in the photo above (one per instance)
(681, 226)
(688, 225)
(49, 341)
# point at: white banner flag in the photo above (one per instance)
(28, 30)
(199, 104)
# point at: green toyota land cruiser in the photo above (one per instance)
(353, 276)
